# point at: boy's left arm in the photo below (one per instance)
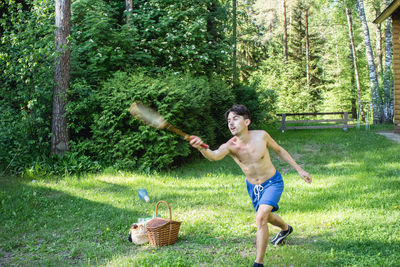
(283, 154)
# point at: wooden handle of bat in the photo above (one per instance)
(185, 135)
(204, 145)
(188, 138)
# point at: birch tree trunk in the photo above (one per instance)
(387, 86)
(285, 45)
(373, 78)
(353, 55)
(379, 51)
(60, 136)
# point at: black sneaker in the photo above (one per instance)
(281, 235)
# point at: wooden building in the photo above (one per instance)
(393, 10)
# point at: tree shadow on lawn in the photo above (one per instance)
(53, 228)
(338, 248)
(47, 227)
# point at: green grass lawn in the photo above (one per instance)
(348, 216)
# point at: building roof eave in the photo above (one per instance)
(388, 11)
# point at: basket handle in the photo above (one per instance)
(170, 213)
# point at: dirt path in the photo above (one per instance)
(391, 135)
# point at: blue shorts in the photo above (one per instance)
(268, 193)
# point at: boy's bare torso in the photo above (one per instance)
(253, 156)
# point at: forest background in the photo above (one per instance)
(191, 60)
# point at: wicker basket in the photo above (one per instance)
(162, 232)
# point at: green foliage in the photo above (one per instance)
(288, 78)
(275, 75)
(251, 48)
(222, 98)
(185, 101)
(82, 104)
(341, 89)
(260, 102)
(311, 90)
(53, 165)
(96, 41)
(180, 36)
(160, 37)
(26, 74)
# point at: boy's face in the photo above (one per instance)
(237, 123)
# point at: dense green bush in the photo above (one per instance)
(54, 165)
(184, 36)
(260, 102)
(96, 41)
(162, 37)
(26, 78)
(185, 101)
(222, 98)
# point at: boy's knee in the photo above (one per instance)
(261, 219)
(263, 215)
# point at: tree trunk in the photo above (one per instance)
(378, 39)
(128, 8)
(307, 49)
(285, 45)
(60, 137)
(353, 92)
(387, 86)
(373, 78)
(234, 35)
(353, 55)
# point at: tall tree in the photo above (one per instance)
(285, 40)
(379, 52)
(387, 77)
(307, 47)
(373, 78)
(251, 31)
(60, 136)
(353, 55)
(305, 57)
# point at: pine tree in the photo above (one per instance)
(305, 58)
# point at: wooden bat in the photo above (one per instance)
(154, 119)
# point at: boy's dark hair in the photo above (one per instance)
(239, 110)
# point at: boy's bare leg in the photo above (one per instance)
(262, 236)
(276, 220)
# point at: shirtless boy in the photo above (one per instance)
(250, 150)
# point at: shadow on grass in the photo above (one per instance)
(46, 227)
(341, 248)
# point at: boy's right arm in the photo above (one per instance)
(211, 155)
